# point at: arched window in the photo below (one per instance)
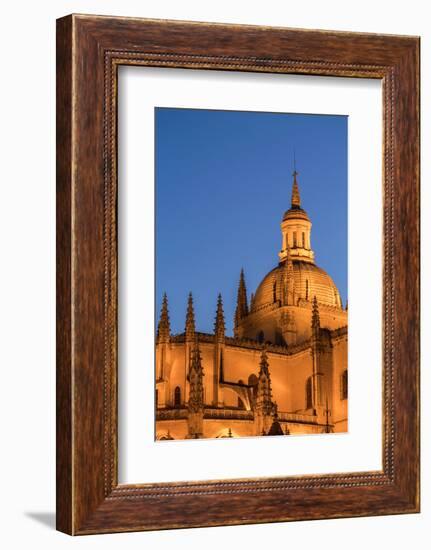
(344, 385)
(261, 337)
(303, 240)
(309, 393)
(177, 397)
(294, 239)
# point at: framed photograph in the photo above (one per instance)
(259, 364)
(237, 274)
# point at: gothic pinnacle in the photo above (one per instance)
(195, 357)
(219, 327)
(164, 329)
(241, 303)
(190, 319)
(195, 377)
(264, 392)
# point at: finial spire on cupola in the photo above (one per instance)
(190, 319)
(219, 327)
(296, 198)
(164, 327)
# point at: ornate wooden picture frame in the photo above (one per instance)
(89, 51)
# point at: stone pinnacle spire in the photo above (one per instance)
(296, 199)
(219, 326)
(241, 302)
(190, 319)
(164, 328)
(264, 393)
(195, 376)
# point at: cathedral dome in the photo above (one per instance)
(310, 280)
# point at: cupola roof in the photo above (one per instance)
(310, 280)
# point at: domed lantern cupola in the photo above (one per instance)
(296, 229)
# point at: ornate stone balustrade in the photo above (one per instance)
(233, 414)
(171, 414)
(228, 414)
(295, 417)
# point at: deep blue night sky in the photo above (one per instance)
(223, 182)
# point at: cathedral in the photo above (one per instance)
(283, 372)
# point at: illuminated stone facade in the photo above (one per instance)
(285, 369)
